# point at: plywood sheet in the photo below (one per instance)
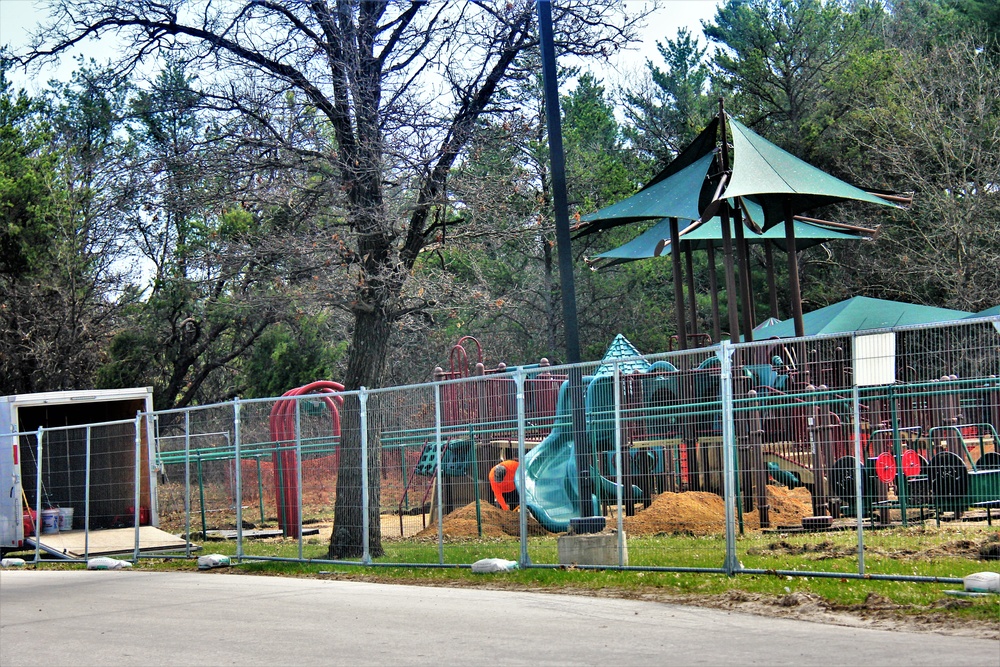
(74, 544)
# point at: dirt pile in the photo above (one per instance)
(494, 521)
(693, 513)
(703, 513)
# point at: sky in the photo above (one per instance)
(19, 17)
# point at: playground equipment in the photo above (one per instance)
(286, 466)
(794, 425)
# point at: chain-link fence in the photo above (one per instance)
(869, 454)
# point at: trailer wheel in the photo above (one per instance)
(949, 483)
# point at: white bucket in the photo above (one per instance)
(65, 519)
(50, 521)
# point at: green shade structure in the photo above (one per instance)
(782, 185)
(770, 177)
(861, 313)
(989, 312)
(673, 197)
(645, 245)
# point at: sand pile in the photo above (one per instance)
(703, 513)
(495, 523)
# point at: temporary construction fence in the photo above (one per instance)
(830, 456)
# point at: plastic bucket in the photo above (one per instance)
(65, 519)
(50, 521)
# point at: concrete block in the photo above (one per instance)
(592, 549)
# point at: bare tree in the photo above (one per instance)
(399, 87)
(934, 130)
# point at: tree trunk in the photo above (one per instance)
(366, 365)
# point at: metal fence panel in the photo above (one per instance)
(869, 454)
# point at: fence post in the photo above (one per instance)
(859, 500)
(39, 434)
(437, 470)
(86, 497)
(618, 463)
(137, 484)
(725, 354)
(522, 519)
(298, 468)
(237, 447)
(187, 485)
(366, 557)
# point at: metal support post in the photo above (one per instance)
(859, 499)
(437, 471)
(86, 497)
(522, 518)
(619, 478)
(138, 483)
(725, 354)
(298, 469)
(366, 556)
(238, 442)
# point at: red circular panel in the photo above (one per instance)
(911, 463)
(885, 467)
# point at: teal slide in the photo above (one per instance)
(551, 490)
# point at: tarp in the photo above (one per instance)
(770, 176)
(860, 313)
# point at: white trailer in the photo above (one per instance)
(92, 470)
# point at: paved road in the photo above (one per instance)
(162, 618)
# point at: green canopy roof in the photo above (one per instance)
(673, 197)
(710, 232)
(769, 176)
(995, 310)
(860, 313)
(620, 349)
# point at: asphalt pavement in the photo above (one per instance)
(111, 618)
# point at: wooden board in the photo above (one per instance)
(75, 543)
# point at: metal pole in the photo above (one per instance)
(618, 462)
(558, 168)
(732, 297)
(366, 557)
(772, 290)
(522, 518)
(298, 469)
(86, 498)
(743, 262)
(138, 483)
(437, 470)
(187, 484)
(260, 490)
(201, 497)
(689, 275)
(725, 352)
(237, 447)
(713, 287)
(793, 271)
(858, 489)
(675, 257)
(38, 493)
